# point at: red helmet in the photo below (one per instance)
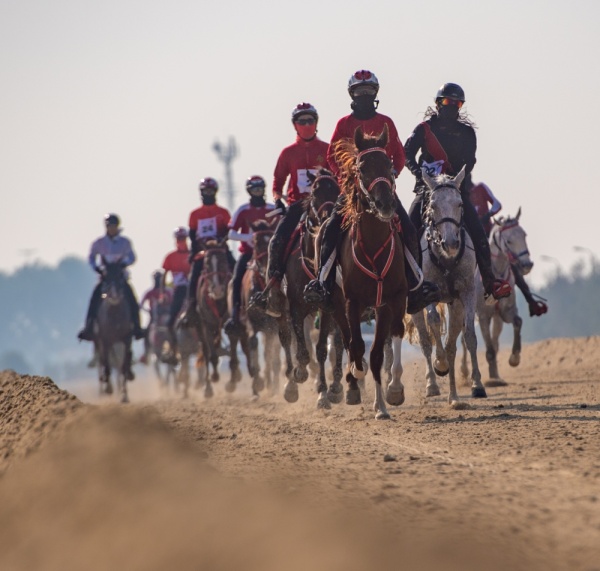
(209, 183)
(255, 185)
(180, 233)
(304, 109)
(362, 77)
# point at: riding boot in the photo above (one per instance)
(87, 333)
(423, 294)
(319, 290)
(233, 326)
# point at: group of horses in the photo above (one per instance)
(370, 281)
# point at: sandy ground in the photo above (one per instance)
(511, 483)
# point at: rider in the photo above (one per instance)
(153, 298)
(112, 247)
(207, 222)
(481, 196)
(363, 87)
(307, 154)
(178, 264)
(447, 142)
(240, 229)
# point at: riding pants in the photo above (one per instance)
(281, 238)
(238, 274)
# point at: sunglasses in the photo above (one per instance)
(310, 121)
(449, 101)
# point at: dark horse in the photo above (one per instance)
(212, 306)
(256, 321)
(300, 269)
(371, 258)
(114, 331)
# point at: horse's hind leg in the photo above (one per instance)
(440, 365)
(382, 330)
(515, 356)
(302, 355)
(477, 389)
(432, 388)
(321, 350)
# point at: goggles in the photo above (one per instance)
(308, 121)
(449, 101)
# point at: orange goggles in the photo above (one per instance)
(449, 101)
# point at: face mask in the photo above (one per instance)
(448, 113)
(257, 200)
(364, 106)
(306, 132)
(208, 199)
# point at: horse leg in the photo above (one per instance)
(470, 337)
(515, 356)
(490, 352)
(431, 389)
(313, 365)
(321, 351)
(302, 355)
(125, 370)
(382, 329)
(335, 392)
(275, 365)
(464, 367)
(440, 365)
(356, 350)
(234, 362)
(388, 358)
(258, 383)
(290, 390)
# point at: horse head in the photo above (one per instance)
(262, 232)
(324, 191)
(510, 238)
(215, 273)
(374, 173)
(443, 216)
(112, 278)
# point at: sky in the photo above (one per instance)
(114, 106)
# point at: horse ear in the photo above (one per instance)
(382, 141)
(518, 214)
(429, 180)
(459, 177)
(359, 138)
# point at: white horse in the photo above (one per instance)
(508, 246)
(449, 261)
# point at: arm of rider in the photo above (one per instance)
(280, 205)
(240, 236)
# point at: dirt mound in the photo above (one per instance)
(581, 352)
(31, 409)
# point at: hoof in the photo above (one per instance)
(109, 388)
(230, 386)
(236, 376)
(208, 391)
(258, 384)
(496, 383)
(335, 393)
(358, 374)
(395, 397)
(124, 399)
(300, 374)
(290, 392)
(323, 402)
(460, 405)
(215, 377)
(514, 359)
(382, 416)
(478, 393)
(441, 372)
(433, 391)
(353, 397)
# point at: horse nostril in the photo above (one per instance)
(378, 203)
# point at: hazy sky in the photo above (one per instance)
(114, 105)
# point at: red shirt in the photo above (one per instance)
(346, 127)
(243, 217)
(294, 161)
(480, 196)
(210, 221)
(177, 263)
(153, 298)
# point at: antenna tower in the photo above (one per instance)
(226, 154)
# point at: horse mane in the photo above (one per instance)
(345, 153)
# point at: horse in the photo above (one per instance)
(211, 306)
(158, 335)
(508, 246)
(371, 259)
(255, 321)
(189, 346)
(113, 332)
(449, 261)
(300, 269)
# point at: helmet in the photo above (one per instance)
(209, 183)
(362, 77)
(304, 109)
(451, 90)
(255, 183)
(180, 233)
(111, 219)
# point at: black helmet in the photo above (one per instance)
(451, 90)
(255, 185)
(111, 219)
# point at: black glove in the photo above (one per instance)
(280, 205)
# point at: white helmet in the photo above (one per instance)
(304, 109)
(362, 77)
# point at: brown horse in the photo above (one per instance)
(212, 306)
(371, 258)
(256, 321)
(299, 270)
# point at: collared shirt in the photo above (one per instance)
(111, 250)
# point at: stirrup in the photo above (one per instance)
(314, 292)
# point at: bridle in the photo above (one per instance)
(317, 211)
(504, 247)
(433, 235)
(372, 209)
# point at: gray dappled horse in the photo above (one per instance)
(508, 246)
(114, 332)
(449, 261)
